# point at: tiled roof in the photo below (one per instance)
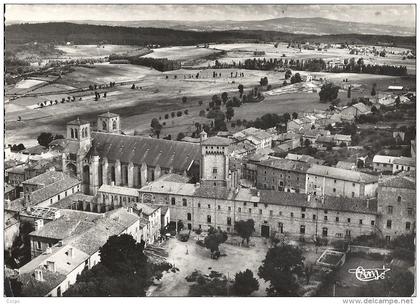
(362, 108)
(53, 189)
(383, 159)
(145, 208)
(66, 202)
(342, 174)
(153, 152)
(398, 182)
(20, 169)
(120, 190)
(285, 164)
(345, 165)
(217, 141)
(342, 137)
(46, 178)
(166, 187)
(34, 288)
(174, 178)
(214, 192)
(405, 161)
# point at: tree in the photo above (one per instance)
(213, 240)
(281, 267)
(202, 113)
(329, 92)
(288, 74)
(296, 79)
(294, 115)
(245, 229)
(349, 92)
(245, 283)
(45, 138)
(397, 101)
(156, 126)
(373, 92)
(224, 97)
(397, 283)
(180, 136)
(184, 99)
(307, 143)
(286, 116)
(229, 113)
(264, 81)
(241, 90)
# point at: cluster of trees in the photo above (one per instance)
(160, 64)
(17, 147)
(328, 92)
(314, 65)
(212, 241)
(45, 138)
(269, 120)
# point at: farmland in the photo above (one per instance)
(160, 92)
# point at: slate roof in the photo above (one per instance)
(217, 141)
(153, 152)
(285, 164)
(342, 174)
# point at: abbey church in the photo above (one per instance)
(106, 156)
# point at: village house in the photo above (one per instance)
(403, 164)
(299, 125)
(396, 206)
(383, 163)
(351, 112)
(282, 175)
(113, 196)
(342, 139)
(346, 165)
(259, 138)
(324, 180)
(304, 158)
(53, 272)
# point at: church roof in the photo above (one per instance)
(108, 115)
(153, 152)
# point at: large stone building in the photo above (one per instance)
(282, 175)
(106, 156)
(396, 205)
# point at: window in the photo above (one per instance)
(188, 216)
(255, 204)
(360, 221)
(208, 206)
(214, 170)
(260, 212)
(390, 209)
(271, 212)
(239, 210)
(326, 211)
(208, 219)
(410, 211)
(408, 225)
(218, 207)
(302, 229)
(399, 198)
(338, 235)
(50, 245)
(184, 202)
(229, 221)
(352, 194)
(229, 209)
(313, 217)
(173, 200)
(348, 220)
(354, 184)
(303, 215)
(337, 219)
(244, 204)
(38, 245)
(303, 209)
(335, 180)
(281, 227)
(372, 222)
(291, 215)
(334, 190)
(389, 224)
(348, 233)
(325, 218)
(280, 213)
(249, 211)
(324, 232)
(388, 238)
(199, 205)
(58, 197)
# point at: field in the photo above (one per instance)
(184, 54)
(92, 51)
(158, 93)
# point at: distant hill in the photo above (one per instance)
(312, 26)
(62, 32)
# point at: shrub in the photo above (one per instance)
(404, 254)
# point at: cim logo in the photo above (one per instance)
(367, 275)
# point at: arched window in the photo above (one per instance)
(114, 125)
(76, 134)
(71, 133)
(103, 125)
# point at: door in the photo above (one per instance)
(265, 231)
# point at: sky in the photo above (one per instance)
(402, 15)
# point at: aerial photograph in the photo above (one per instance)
(210, 150)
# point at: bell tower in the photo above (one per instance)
(109, 122)
(214, 160)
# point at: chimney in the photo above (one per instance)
(39, 223)
(51, 266)
(70, 252)
(38, 275)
